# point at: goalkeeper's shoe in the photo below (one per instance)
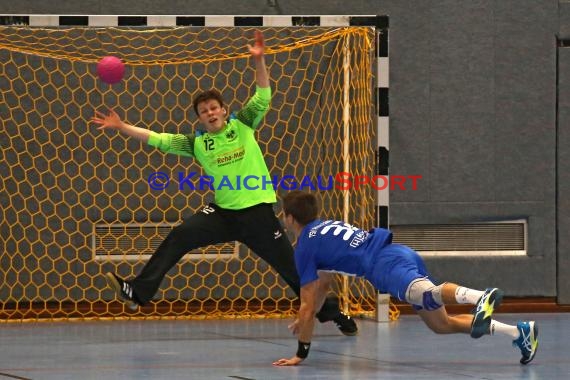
(483, 312)
(123, 289)
(527, 340)
(330, 312)
(345, 324)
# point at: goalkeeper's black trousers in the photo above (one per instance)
(256, 226)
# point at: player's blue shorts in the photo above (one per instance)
(394, 269)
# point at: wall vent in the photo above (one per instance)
(505, 238)
(120, 242)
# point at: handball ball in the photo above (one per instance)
(110, 69)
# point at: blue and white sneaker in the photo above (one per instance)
(482, 314)
(527, 340)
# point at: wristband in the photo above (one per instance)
(303, 350)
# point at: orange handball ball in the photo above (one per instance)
(110, 69)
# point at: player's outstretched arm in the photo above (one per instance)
(324, 285)
(306, 324)
(258, 105)
(113, 121)
(258, 53)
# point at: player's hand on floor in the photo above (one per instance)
(294, 327)
(288, 362)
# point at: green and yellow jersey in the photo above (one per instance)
(229, 155)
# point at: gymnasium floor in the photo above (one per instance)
(245, 349)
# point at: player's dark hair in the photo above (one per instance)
(205, 96)
(301, 205)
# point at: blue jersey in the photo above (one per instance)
(337, 247)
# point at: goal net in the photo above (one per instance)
(76, 202)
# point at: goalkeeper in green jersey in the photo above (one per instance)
(228, 149)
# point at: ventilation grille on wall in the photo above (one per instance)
(480, 239)
(139, 241)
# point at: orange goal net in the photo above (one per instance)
(76, 202)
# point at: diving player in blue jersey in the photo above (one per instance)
(325, 247)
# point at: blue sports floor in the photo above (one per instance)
(244, 349)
